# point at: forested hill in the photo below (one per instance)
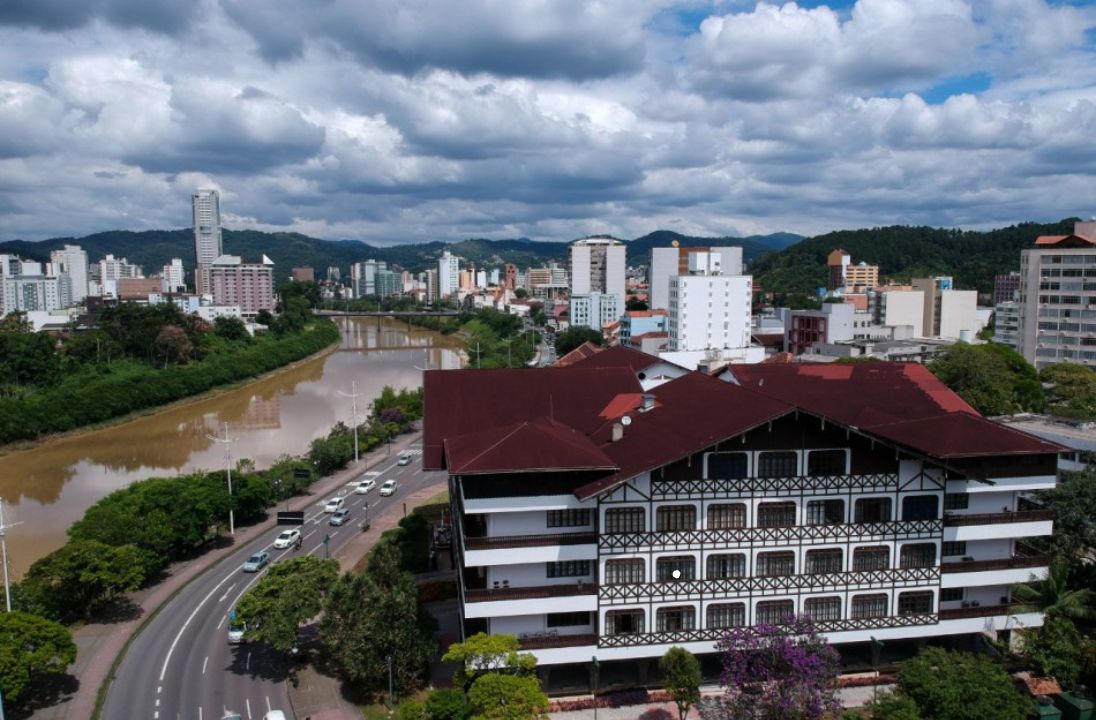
(971, 258)
(152, 249)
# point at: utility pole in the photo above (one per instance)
(7, 586)
(353, 395)
(477, 356)
(227, 442)
(391, 694)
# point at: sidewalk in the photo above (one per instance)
(99, 645)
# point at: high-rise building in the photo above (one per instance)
(448, 275)
(173, 277)
(249, 286)
(206, 207)
(432, 294)
(388, 283)
(1006, 288)
(72, 261)
(594, 310)
(709, 310)
(948, 313)
(363, 276)
(844, 274)
(668, 262)
(26, 293)
(1057, 324)
(598, 265)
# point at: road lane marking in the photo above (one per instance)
(204, 663)
(248, 703)
(268, 708)
(223, 618)
(159, 689)
(247, 664)
(222, 598)
(170, 650)
(199, 712)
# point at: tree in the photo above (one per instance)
(681, 674)
(74, 582)
(1053, 596)
(1072, 391)
(1056, 650)
(1073, 501)
(772, 672)
(31, 647)
(893, 706)
(230, 328)
(572, 337)
(290, 593)
(265, 318)
(521, 293)
(981, 378)
(507, 697)
(948, 685)
(633, 305)
(483, 653)
(447, 704)
(173, 345)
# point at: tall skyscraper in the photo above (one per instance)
(448, 275)
(207, 236)
(598, 266)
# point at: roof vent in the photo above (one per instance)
(618, 432)
(648, 402)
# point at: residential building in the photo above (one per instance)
(668, 262)
(72, 262)
(388, 283)
(639, 322)
(948, 313)
(26, 293)
(593, 518)
(113, 269)
(709, 310)
(493, 278)
(303, 274)
(1006, 288)
(333, 273)
(594, 310)
(1006, 330)
(448, 275)
(173, 277)
(844, 274)
(363, 276)
(248, 285)
(1058, 298)
(206, 208)
(898, 308)
(481, 278)
(805, 329)
(598, 265)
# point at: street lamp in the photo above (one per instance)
(227, 442)
(353, 395)
(7, 586)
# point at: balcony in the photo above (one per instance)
(504, 542)
(529, 593)
(783, 486)
(1000, 564)
(981, 611)
(997, 518)
(545, 641)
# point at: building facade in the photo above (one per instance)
(668, 262)
(709, 311)
(173, 277)
(250, 286)
(448, 275)
(595, 519)
(1006, 330)
(1006, 288)
(598, 265)
(844, 274)
(594, 310)
(27, 293)
(72, 264)
(206, 210)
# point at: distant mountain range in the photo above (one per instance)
(151, 249)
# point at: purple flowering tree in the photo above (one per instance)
(776, 672)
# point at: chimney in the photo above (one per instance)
(648, 402)
(618, 432)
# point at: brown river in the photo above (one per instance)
(47, 488)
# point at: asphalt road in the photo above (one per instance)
(181, 666)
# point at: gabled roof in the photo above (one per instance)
(962, 435)
(582, 352)
(541, 445)
(1073, 240)
(619, 356)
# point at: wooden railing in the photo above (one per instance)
(1000, 564)
(540, 642)
(980, 611)
(530, 593)
(520, 541)
(951, 520)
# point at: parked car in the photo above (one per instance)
(365, 486)
(339, 516)
(389, 488)
(287, 538)
(335, 503)
(405, 459)
(257, 562)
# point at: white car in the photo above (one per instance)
(389, 488)
(365, 486)
(405, 459)
(287, 538)
(335, 503)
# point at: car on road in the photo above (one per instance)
(339, 516)
(274, 715)
(389, 488)
(405, 459)
(365, 486)
(287, 538)
(335, 503)
(236, 631)
(257, 562)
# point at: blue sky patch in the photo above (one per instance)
(972, 84)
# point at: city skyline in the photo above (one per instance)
(552, 122)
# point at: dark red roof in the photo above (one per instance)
(539, 445)
(963, 435)
(618, 356)
(582, 352)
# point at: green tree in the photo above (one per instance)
(74, 582)
(290, 593)
(635, 305)
(230, 328)
(447, 704)
(1054, 597)
(1072, 391)
(521, 293)
(410, 710)
(981, 378)
(482, 653)
(1073, 501)
(92, 347)
(507, 697)
(572, 337)
(31, 647)
(27, 358)
(681, 675)
(173, 345)
(1056, 650)
(948, 685)
(893, 706)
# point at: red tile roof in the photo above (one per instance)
(1058, 239)
(618, 356)
(646, 313)
(528, 446)
(582, 352)
(962, 435)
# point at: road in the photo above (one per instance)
(181, 666)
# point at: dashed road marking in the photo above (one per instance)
(204, 663)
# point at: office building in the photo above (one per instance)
(598, 265)
(72, 264)
(206, 207)
(593, 518)
(594, 310)
(1058, 298)
(363, 277)
(668, 262)
(388, 283)
(247, 285)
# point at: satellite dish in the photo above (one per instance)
(674, 243)
(626, 421)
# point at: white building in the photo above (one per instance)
(594, 310)
(1006, 330)
(598, 265)
(173, 277)
(898, 307)
(667, 262)
(206, 208)
(592, 518)
(448, 275)
(33, 292)
(948, 313)
(114, 269)
(72, 261)
(709, 310)
(363, 276)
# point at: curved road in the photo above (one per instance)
(181, 666)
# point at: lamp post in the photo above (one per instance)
(227, 442)
(353, 395)
(391, 693)
(7, 586)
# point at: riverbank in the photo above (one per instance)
(150, 411)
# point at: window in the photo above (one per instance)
(624, 572)
(670, 518)
(825, 512)
(623, 622)
(775, 564)
(773, 612)
(873, 510)
(777, 464)
(728, 465)
(869, 606)
(625, 520)
(920, 507)
(726, 516)
(573, 568)
(684, 564)
(956, 501)
(726, 566)
(951, 594)
(776, 514)
(915, 603)
(672, 619)
(568, 518)
(823, 608)
(953, 548)
(918, 555)
(726, 615)
(568, 619)
(829, 560)
(870, 559)
(825, 462)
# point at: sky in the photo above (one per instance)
(395, 121)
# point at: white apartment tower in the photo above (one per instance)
(448, 275)
(668, 262)
(599, 265)
(72, 261)
(172, 277)
(708, 310)
(206, 205)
